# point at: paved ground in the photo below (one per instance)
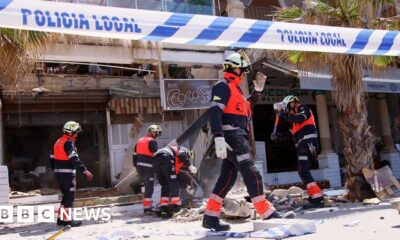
(370, 223)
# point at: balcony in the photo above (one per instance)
(204, 7)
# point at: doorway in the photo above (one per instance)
(281, 155)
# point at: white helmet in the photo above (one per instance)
(288, 99)
(237, 60)
(72, 127)
(155, 128)
(183, 150)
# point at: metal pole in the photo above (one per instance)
(162, 93)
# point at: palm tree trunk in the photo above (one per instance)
(359, 149)
(359, 142)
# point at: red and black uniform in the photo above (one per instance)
(168, 162)
(143, 161)
(64, 161)
(230, 116)
(304, 131)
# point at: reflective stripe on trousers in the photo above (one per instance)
(146, 202)
(164, 201)
(264, 208)
(214, 205)
(313, 190)
(145, 164)
(64, 170)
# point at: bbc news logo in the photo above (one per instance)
(27, 214)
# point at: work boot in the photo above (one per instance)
(314, 203)
(276, 214)
(174, 209)
(211, 222)
(72, 223)
(148, 212)
(164, 212)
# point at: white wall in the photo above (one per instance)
(121, 144)
(4, 186)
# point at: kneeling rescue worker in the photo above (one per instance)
(230, 117)
(168, 162)
(64, 161)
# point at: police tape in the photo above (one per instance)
(134, 24)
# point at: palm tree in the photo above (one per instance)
(346, 71)
(17, 49)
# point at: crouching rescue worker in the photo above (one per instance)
(168, 162)
(143, 161)
(64, 161)
(230, 116)
(305, 137)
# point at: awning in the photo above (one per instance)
(387, 81)
(384, 81)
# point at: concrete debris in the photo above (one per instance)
(352, 224)
(286, 203)
(295, 191)
(395, 202)
(335, 192)
(280, 193)
(371, 201)
(189, 215)
(119, 235)
(240, 193)
(234, 208)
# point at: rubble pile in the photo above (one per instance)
(189, 215)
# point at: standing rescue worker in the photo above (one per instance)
(143, 161)
(305, 137)
(168, 162)
(64, 161)
(230, 117)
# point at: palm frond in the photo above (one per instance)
(292, 14)
(383, 61)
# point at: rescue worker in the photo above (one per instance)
(305, 137)
(64, 161)
(168, 162)
(230, 116)
(143, 161)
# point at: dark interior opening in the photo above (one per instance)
(281, 155)
(28, 151)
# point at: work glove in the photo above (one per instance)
(277, 136)
(278, 107)
(89, 175)
(192, 170)
(274, 136)
(221, 147)
(259, 82)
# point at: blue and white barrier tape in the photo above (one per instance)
(133, 24)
